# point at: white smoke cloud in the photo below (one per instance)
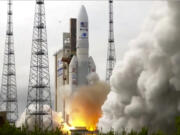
(145, 85)
(92, 78)
(56, 119)
(66, 91)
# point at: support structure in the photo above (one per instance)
(8, 87)
(111, 55)
(38, 112)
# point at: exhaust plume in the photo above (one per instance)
(85, 105)
(145, 85)
(86, 101)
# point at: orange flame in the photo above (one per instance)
(57, 118)
(80, 119)
(86, 105)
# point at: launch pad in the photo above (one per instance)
(83, 131)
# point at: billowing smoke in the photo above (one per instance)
(145, 85)
(56, 119)
(92, 78)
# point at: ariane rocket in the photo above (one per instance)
(81, 64)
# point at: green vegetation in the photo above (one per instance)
(7, 129)
(144, 131)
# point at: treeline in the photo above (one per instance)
(7, 129)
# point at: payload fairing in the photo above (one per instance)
(81, 64)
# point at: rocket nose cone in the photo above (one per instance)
(83, 9)
(83, 13)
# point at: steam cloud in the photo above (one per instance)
(145, 85)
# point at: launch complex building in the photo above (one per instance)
(73, 63)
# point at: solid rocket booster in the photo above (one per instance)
(81, 65)
(82, 46)
(92, 66)
(73, 72)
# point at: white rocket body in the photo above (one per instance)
(85, 64)
(92, 66)
(82, 46)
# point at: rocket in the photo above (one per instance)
(81, 64)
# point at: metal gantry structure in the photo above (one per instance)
(111, 54)
(38, 111)
(8, 101)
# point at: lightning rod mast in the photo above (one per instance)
(39, 94)
(8, 87)
(111, 55)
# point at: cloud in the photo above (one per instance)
(145, 86)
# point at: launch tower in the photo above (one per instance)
(39, 94)
(8, 86)
(111, 55)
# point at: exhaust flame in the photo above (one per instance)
(85, 105)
